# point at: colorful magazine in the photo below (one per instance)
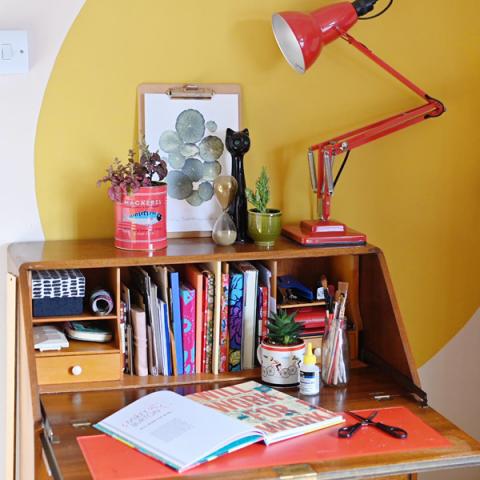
(277, 415)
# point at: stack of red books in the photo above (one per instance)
(312, 319)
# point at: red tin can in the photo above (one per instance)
(141, 219)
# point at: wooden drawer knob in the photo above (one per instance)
(76, 370)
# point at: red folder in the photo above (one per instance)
(348, 237)
(109, 459)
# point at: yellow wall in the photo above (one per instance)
(414, 193)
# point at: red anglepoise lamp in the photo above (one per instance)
(301, 37)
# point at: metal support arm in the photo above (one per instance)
(328, 149)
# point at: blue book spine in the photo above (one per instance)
(177, 320)
(235, 321)
(167, 340)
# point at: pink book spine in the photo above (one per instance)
(188, 311)
(264, 312)
(204, 323)
(223, 366)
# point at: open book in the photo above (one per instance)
(276, 415)
(182, 432)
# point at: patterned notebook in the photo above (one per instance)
(187, 310)
(235, 317)
(223, 365)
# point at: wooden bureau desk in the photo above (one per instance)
(55, 406)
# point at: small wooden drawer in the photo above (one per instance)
(78, 368)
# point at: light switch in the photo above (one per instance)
(6, 51)
(13, 52)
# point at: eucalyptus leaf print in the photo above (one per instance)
(205, 190)
(190, 126)
(211, 126)
(211, 148)
(169, 141)
(189, 150)
(193, 168)
(176, 160)
(194, 199)
(211, 170)
(179, 185)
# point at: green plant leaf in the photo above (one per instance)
(260, 198)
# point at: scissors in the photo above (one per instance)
(347, 432)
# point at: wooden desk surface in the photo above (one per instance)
(66, 408)
(101, 253)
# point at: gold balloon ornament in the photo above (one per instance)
(224, 231)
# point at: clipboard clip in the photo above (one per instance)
(190, 91)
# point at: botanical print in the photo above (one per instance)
(192, 157)
(189, 135)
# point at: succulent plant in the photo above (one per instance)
(283, 329)
(128, 178)
(260, 198)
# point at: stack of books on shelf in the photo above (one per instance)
(195, 318)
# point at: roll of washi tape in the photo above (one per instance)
(101, 302)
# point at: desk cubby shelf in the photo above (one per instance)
(292, 305)
(85, 371)
(307, 264)
(74, 318)
(373, 311)
(77, 347)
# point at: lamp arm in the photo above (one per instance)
(388, 68)
(356, 138)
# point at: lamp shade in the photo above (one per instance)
(301, 36)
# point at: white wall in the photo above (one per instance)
(452, 382)
(47, 23)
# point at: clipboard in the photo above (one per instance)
(191, 211)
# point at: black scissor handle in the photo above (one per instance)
(396, 432)
(347, 432)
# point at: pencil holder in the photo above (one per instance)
(335, 358)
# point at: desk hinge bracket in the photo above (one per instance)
(302, 471)
(382, 396)
(400, 378)
(81, 424)
(46, 441)
(49, 435)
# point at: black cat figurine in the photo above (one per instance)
(238, 144)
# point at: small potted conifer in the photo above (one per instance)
(264, 224)
(281, 351)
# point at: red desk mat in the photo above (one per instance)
(109, 459)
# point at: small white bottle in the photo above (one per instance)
(309, 374)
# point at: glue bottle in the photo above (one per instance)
(309, 373)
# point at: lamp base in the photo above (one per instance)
(306, 237)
